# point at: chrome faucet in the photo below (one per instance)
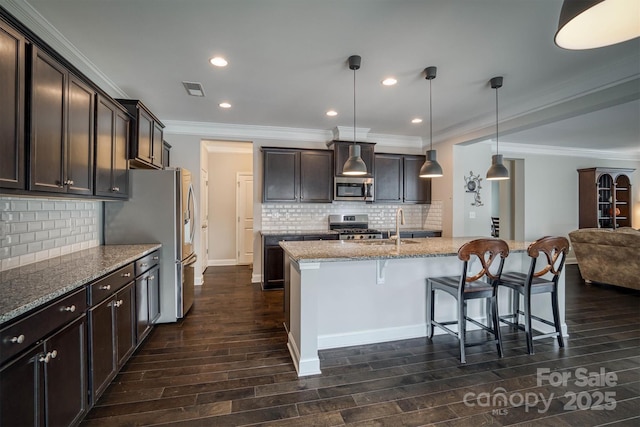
(400, 215)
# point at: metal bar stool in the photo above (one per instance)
(532, 283)
(463, 288)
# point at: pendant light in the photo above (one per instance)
(497, 171)
(354, 164)
(431, 168)
(588, 24)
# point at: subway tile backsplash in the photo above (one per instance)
(313, 217)
(37, 229)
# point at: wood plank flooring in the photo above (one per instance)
(227, 364)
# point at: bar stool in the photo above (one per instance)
(532, 283)
(463, 288)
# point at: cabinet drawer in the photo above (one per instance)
(147, 262)
(108, 285)
(24, 333)
(274, 240)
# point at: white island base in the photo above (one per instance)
(353, 302)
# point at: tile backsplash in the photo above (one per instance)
(312, 217)
(33, 229)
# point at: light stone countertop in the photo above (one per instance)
(297, 232)
(23, 289)
(342, 250)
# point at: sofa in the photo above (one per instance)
(608, 256)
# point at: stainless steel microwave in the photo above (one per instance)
(353, 189)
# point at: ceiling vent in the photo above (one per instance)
(194, 88)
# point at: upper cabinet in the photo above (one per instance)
(605, 198)
(397, 180)
(291, 175)
(62, 129)
(112, 147)
(341, 154)
(12, 81)
(145, 149)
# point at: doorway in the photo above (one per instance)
(244, 212)
(204, 215)
(508, 201)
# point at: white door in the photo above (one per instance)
(204, 218)
(244, 213)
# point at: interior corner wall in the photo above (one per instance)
(223, 169)
(442, 187)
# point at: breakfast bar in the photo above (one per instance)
(345, 293)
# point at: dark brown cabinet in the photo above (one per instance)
(112, 144)
(147, 295)
(46, 384)
(62, 130)
(605, 198)
(12, 84)
(304, 176)
(166, 154)
(397, 180)
(341, 151)
(145, 149)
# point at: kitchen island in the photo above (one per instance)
(340, 293)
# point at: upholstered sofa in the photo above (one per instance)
(607, 256)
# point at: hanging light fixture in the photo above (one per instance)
(354, 164)
(588, 24)
(431, 168)
(497, 171)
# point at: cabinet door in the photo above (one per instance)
(142, 307)
(388, 181)
(48, 97)
(280, 183)
(79, 154)
(156, 148)
(143, 145)
(273, 267)
(166, 154)
(66, 375)
(11, 108)
(105, 114)
(153, 288)
(342, 154)
(125, 323)
(102, 365)
(120, 162)
(316, 176)
(21, 399)
(416, 189)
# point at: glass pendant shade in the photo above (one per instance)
(354, 164)
(588, 24)
(431, 168)
(497, 171)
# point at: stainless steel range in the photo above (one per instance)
(353, 227)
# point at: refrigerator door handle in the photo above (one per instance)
(189, 261)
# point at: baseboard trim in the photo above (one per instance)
(256, 278)
(371, 336)
(221, 262)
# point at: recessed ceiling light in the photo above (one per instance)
(332, 113)
(218, 61)
(416, 120)
(224, 105)
(389, 81)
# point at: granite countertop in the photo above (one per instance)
(297, 232)
(25, 288)
(342, 250)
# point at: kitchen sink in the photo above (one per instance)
(385, 242)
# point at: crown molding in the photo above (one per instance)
(510, 148)
(228, 147)
(236, 132)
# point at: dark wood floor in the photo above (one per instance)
(227, 365)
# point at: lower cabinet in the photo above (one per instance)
(47, 385)
(147, 302)
(112, 337)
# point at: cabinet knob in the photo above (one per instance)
(144, 264)
(68, 182)
(115, 189)
(152, 277)
(119, 303)
(17, 340)
(54, 354)
(105, 287)
(71, 308)
(126, 274)
(155, 258)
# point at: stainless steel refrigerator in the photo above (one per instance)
(160, 209)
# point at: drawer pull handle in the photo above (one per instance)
(155, 258)
(17, 340)
(126, 274)
(144, 264)
(71, 308)
(105, 287)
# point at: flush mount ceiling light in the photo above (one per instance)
(218, 61)
(416, 120)
(332, 113)
(194, 88)
(354, 164)
(588, 24)
(389, 81)
(224, 105)
(497, 171)
(431, 168)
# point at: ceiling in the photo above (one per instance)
(288, 66)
